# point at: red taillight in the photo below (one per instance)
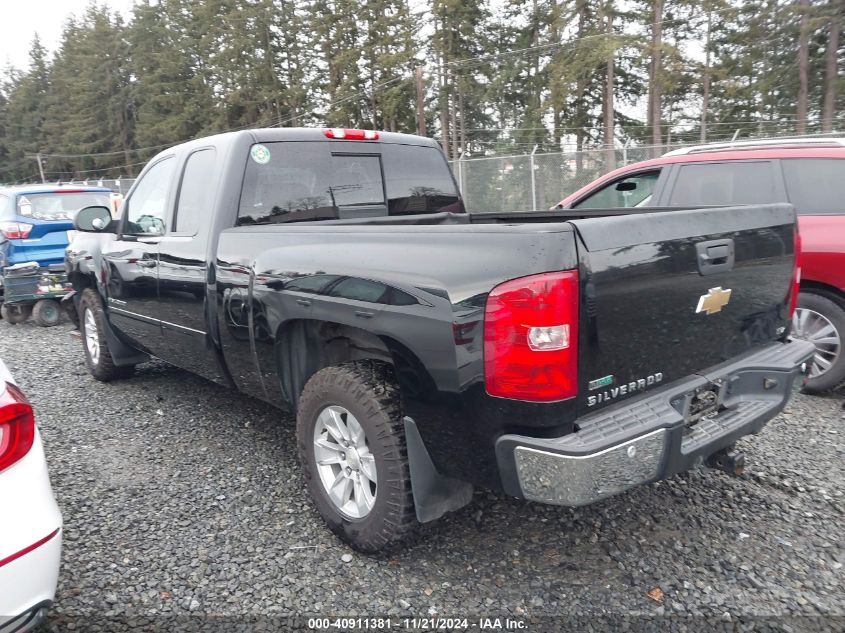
(531, 338)
(15, 230)
(17, 426)
(351, 135)
(796, 274)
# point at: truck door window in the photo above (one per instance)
(630, 191)
(734, 182)
(815, 185)
(195, 193)
(146, 208)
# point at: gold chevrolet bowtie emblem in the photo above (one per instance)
(714, 300)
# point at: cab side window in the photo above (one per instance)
(630, 191)
(193, 207)
(146, 209)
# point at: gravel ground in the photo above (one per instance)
(181, 498)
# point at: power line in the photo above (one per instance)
(115, 153)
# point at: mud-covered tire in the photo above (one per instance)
(47, 313)
(15, 313)
(832, 308)
(368, 391)
(100, 362)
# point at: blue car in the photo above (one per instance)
(36, 222)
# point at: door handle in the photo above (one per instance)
(715, 256)
(147, 263)
(303, 302)
(364, 314)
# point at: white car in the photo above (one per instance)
(30, 521)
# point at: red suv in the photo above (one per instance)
(807, 172)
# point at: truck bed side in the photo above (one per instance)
(290, 299)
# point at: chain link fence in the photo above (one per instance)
(505, 183)
(529, 182)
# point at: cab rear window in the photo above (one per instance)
(57, 207)
(300, 181)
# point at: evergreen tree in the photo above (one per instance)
(171, 98)
(24, 115)
(496, 77)
(87, 103)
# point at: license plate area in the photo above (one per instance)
(704, 402)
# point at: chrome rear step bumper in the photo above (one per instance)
(648, 438)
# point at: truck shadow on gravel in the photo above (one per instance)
(575, 540)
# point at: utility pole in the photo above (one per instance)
(420, 101)
(40, 167)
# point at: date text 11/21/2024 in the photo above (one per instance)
(417, 623)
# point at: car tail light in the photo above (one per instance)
(351, 135)
(796, 274)
(531, 338)
(15, 230)
(17, 426)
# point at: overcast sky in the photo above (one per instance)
(21, 19)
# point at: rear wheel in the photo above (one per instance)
(352, 449)
(15, 313)
(93, 326)
(47, 313)
(821, 320)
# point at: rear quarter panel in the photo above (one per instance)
(823, 249)
(437, 340)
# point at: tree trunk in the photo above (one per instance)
(803, 67)
(555, 88)
(444, 105)
(453, 108)
(463, 124)
(420, 101)
(705, 81)
(580, 88)
(654, 77)
(831, 66)
(608, 114)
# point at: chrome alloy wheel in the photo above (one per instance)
(346, 466)
(92, 341)
(812, 326)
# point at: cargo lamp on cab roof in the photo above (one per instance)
(351, 135)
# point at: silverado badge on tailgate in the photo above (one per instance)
(713, 301)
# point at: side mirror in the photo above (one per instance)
(93, 220)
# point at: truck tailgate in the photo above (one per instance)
(669, 294)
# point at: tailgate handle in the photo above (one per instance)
(715, 256)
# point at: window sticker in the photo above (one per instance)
(24, 206)
(260, 154)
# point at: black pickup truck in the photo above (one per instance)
(561, 357)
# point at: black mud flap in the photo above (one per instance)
(434, 494)
(70, 304)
